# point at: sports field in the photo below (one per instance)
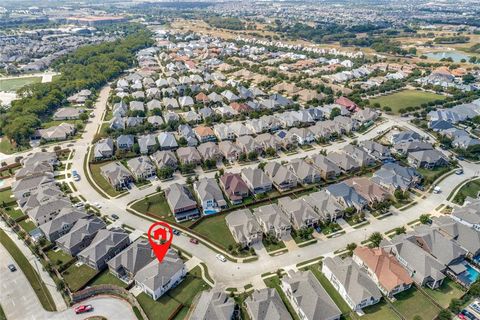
(14, 84)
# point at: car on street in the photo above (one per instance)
(468, 315)
(176, 232)
(79, 205)
(193, 240)
(83, 308)
(97, 205)
(437, 190)
(12, 267)
(115, 217)
(459, 171)
(221, 257)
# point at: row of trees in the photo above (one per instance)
(88, 67)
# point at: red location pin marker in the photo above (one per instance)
(160, 236)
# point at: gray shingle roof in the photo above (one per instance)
(214, 304)
(133, 258)
(266, 304)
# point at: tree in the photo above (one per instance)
(252, 155)
(335, 112)
(399, 194)
(400, 230)
(350, 247)
(83, 116)
(468, 78)
(375, 239)
(165, 172)
(425, 219)
(455, 305)
(444, 315)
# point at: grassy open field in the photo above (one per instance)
(32, 276)
(181, 296)
(406, 98)
(215, 228)
(14, 84)
(413, 303)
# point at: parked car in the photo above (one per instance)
(12, 267)
(97, 205)
(74, 173)
(115, 217)
(221, 257)
(176, 232)
(83, 308)
(437, 189)
(193, 240)
(468, 315)
(318, 229)
(459, 171)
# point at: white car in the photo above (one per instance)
(79, 205)
(437, 190)
(221, 257)
(97, 205)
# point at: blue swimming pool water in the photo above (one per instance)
(209, 211)
(470, 275)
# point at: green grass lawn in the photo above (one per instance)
(27, 225)
(430, 175)
(6, 196)
(100, 180)
(182, 295)
(13, 213)
(57, 122)
(35, 281)
(380, 311)
(413, 303)
(77, 277)
(273, 246)
(59, 257)
(107, 278)
(274, 282)
(17, 83)
(406, 98)
(471, 189)
(156, 205)
(215, 228)
(7, 147)
(448, 291)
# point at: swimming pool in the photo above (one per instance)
(2, 182)
(470, 275)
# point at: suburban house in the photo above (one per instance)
(166, 141)
(269, 141)
(266, 304)
(305, 172)
(301, 136)
(189, 155)
(375, 149)
(210, 195)
(352, 282)
(56, 133)
(308, 298)
(424, 268)
(325, 205)
(466, 237)
(369, 190)
(117, 175)
(204, 134)
(62, 223)
(125, 142)
(147, 143)
(282, 178)
(165, 158)
(142, 167)
(80, 235)
(248, 144)
(256, 180)
(223, 131)
(405, 147)
(384, 269)
(244, 228)
(181, 202)
(362, 158)
(234, 187)
(272, 220)
(328, 170)
(343, 161)
(213, 304)
(393, 176)
(405, 136)
(105, 245)
(127, 263)
(67, 113)
(103, 149)
(230, 150)
(468, 215)
(48, 209)
(346, 196)
(299, 212)
(157, 278)
(210, 151)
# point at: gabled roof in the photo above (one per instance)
(133, 258)
(82, 229)
(242, 224)
(214, 304)
(104, 241)
(266, 304)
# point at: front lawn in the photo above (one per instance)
(449, 290)
(100, 180)
(270, 246)
(413, 303)
(430, 175)
(32, 276)
(156, 205)
(470, 189)
(105, 277)
(380, 311)
(182, 295)
(215, 228)
(77, 277)
(405, 99)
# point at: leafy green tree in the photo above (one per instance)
(375, 239)
(425, 218)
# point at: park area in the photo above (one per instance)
(13, 84)
(405, 99)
